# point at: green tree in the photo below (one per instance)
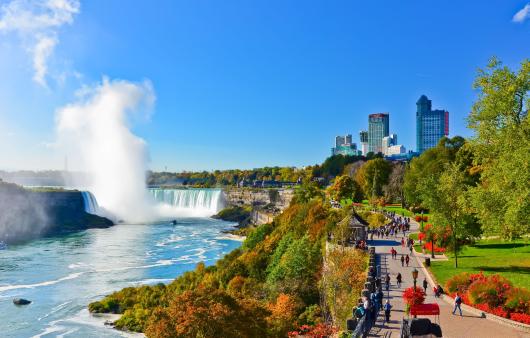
(373, 176)
(394, 189)
(501, 148)
(429, 164)
(446, 199)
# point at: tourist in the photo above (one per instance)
(387, 282)
(402, 260)
(458, 302)
(380, 296)
(402, 242)
(425, 284)
(387, 309)
(407, 260)
(398, 278)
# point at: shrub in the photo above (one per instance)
(520, 317)
(459, 283)
(518, 300)
(417, 218)
(491, 291)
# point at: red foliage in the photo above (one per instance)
(412, 297)
(425, 218)
(520, 317)
(417, 218)
(428, 247)
(320, 330)
(421, 236)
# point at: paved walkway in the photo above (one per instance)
(453, 326)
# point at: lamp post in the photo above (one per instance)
(422, 221)
(414, 277)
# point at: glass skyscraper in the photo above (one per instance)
(431, 125)
(377, 129)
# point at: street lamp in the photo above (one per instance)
(422, 220)
(414, 277)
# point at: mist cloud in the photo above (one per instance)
(96, 130)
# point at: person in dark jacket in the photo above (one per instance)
(398, 278)
(387, 307)
(425, 284)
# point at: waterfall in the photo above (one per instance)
(91, 204)
(193, 202)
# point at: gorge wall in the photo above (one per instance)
(28, 214)
(266, 203)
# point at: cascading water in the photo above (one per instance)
(91, 204)
(190, 202)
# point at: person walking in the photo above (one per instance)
(458, 302)
(387, 309)
(398, 278)
(402, 260)
(425, 284)
(407, 260)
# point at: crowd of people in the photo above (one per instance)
(396, 225)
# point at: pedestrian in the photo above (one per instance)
(387, 309)
(407, 260)
(380, 296)
(402, 242)
(411, 247)
(425, 284)
(402, 260)
(458, 302)
(398, 278)
(387, 282)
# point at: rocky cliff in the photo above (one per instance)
(265, 203)
(27, 214)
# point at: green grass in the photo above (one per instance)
(509, 259)
(399, 211)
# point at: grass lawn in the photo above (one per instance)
(399, 211)
(509, 259)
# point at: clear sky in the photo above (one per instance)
(243, 84)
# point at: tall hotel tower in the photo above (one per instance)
(431, 125)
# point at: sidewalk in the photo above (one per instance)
(453, 326)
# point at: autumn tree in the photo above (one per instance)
(373, 176)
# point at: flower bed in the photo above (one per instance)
(492, 294)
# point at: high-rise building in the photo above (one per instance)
(344, 146)
(363, 137)
(431, 125)
(377, 129)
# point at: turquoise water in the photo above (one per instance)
(62, 275)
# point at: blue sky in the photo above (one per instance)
(243, 84)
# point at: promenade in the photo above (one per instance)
(453, 326)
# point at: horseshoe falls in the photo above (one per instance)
(189, 202)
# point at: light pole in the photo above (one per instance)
(414, 277)
(422, 221)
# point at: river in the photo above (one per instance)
(62, 275)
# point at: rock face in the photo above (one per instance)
(21, 301)
(265, 203)
(26, 214)
(280, 198)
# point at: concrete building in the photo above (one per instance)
(344, 146)
(378, 125)
(431, 125)
(363, 137)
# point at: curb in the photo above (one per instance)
(503, 321)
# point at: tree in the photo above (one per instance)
(501, 147)
(373, 176)
(429, 163)
(345, 187)
(446, 199)
(394, 189)
(307, 192)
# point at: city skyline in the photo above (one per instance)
(231, 82)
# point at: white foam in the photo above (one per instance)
(46, 283)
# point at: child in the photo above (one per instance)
(387, 309)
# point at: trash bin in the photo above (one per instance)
(427, 261)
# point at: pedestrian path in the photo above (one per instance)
(453, 326)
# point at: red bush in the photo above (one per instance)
(421, 236)
(520, 317)
(518, 300)
(425, 218)
(412, 297)
(417, 218)
(490, 290)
